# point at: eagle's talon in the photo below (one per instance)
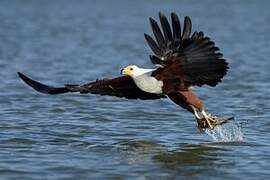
(208, 121)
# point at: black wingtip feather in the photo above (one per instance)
(166, 28)
(157, 33)
(187, 28)
(153, 45)
(170, 38)
(42, 88)
(176, 27)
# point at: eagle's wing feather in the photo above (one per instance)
(187, 28)
(176, 27)
(42, 88)
(122, 86)
(201, 61)
(193, 60)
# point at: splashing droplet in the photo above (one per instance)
(228, 132)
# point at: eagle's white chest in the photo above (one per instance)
(148, 84)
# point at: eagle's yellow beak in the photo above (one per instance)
(127, 71)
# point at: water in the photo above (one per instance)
(85, 136)
(228, 132)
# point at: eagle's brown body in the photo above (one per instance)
(183, 60)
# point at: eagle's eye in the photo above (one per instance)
(131, 69)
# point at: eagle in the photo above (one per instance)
(182, 60)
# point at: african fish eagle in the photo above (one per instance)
(182, 61)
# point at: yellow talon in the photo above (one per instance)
(208, 122)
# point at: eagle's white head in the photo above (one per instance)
(134, 71)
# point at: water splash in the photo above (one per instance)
(228, 132)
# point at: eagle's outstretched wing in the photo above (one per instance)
(184, 59)
(122, 86)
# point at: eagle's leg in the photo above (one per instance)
(191, 102)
